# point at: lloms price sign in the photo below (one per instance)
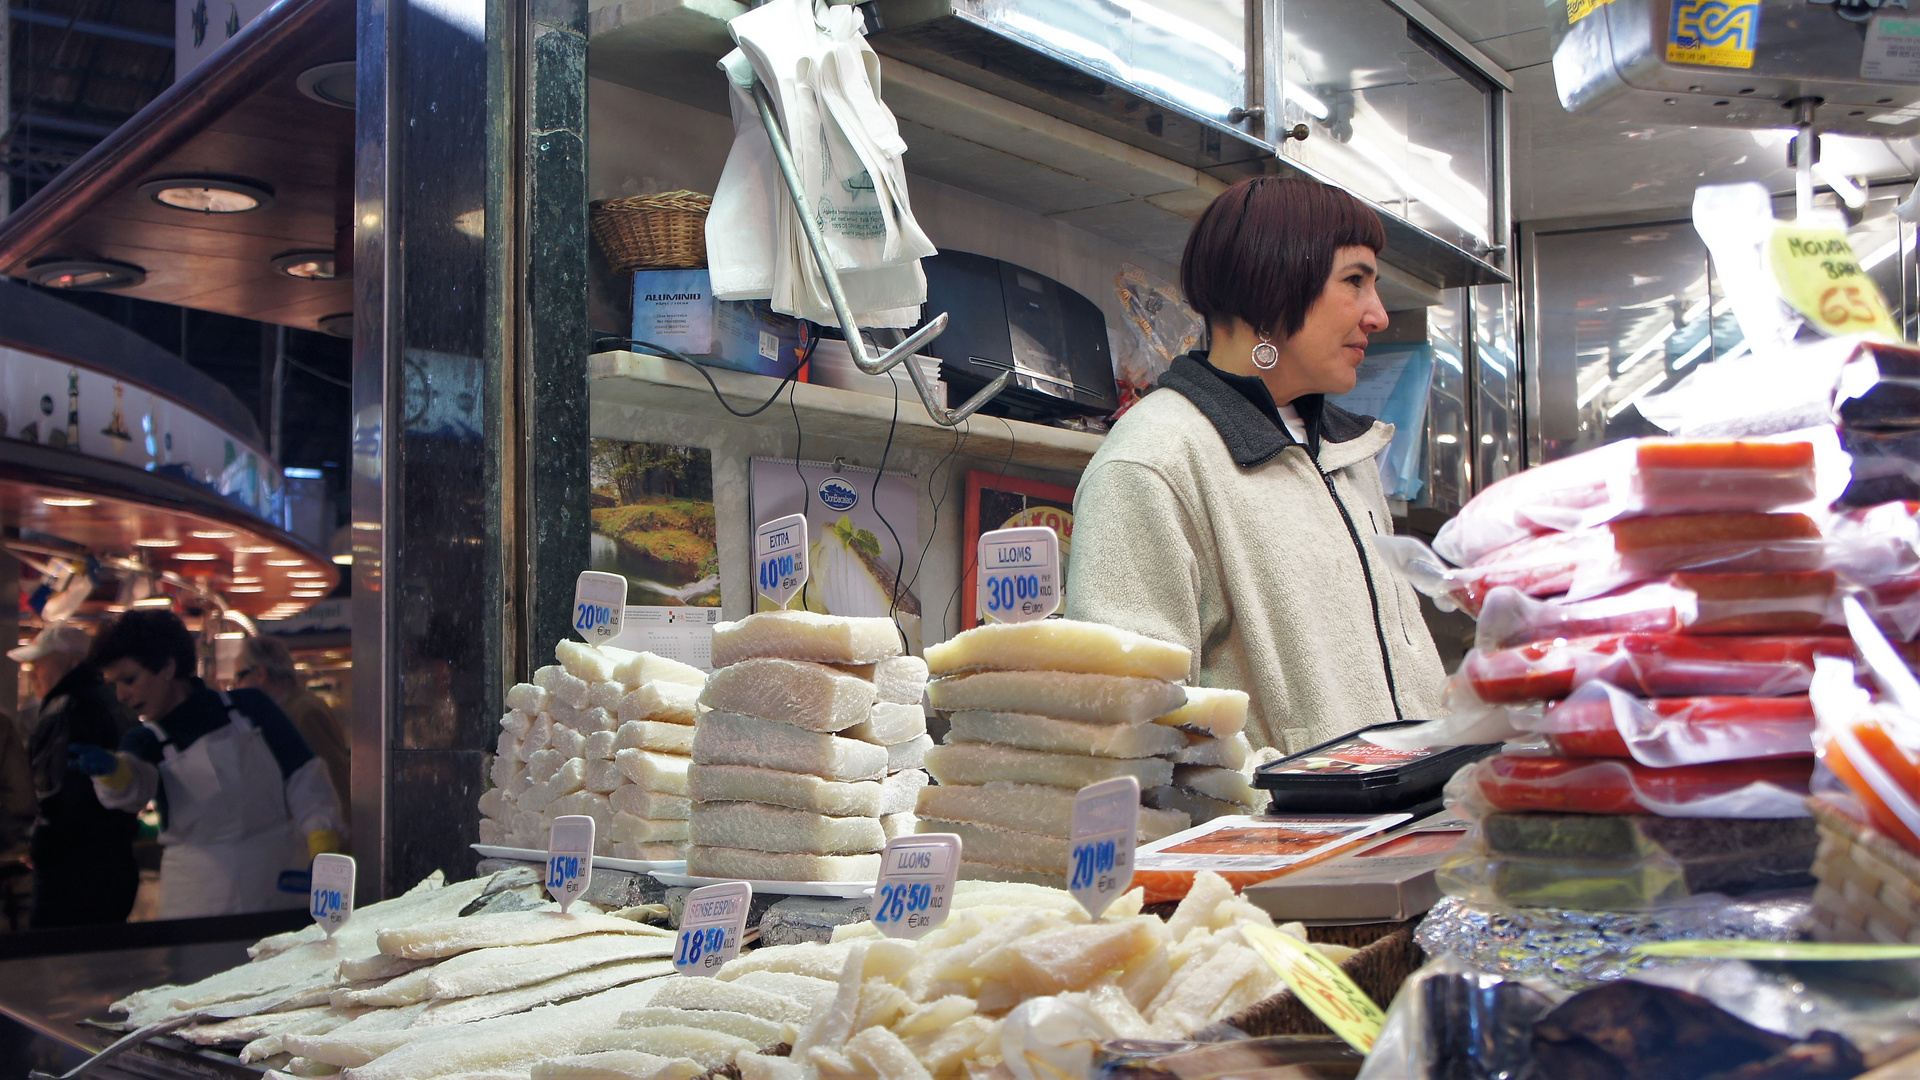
(916, 883)
(1019, 574)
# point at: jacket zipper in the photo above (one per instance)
(1373, 595)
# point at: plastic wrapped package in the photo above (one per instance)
(1874, 544)
(1654, 665)
(1685, 603)
(1600, 720)
(1873, 748)
(1523, 782)
(1879, 388)
(1453, 1022)
(1886, 466)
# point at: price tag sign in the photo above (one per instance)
(569, 858)
(711, 927)
(1821, 277)
(780, 558)
(599, 606)
(1019, 574)
(330, 894)
(1106, 823)
(1319, 982)
(916, 882)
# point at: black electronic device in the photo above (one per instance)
(1002, 317)
(1353, 774)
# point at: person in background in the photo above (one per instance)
(266, 665)
(242, 798)
(82, 852)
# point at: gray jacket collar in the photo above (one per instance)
(1243, 412)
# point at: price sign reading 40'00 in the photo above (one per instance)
(569, 858)
(916, 884)
(330, 894)
(711, 926)
(599, 605)
(1019, 574)
(1106, 823)
(780, 558)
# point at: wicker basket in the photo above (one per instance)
(1387, 956)
(1869, 886)
(653, 232)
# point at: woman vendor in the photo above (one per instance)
(1230, 510)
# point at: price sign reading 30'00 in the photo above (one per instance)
(569, 858)
(780, 558)
(916, 884)
(1019, 574)
(599, 605)
(1106, 823)
(711, 926)
(330, 894)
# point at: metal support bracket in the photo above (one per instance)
(817, 243)
(119, 1046)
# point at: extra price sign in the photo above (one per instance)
(1019, 574)
(780, 558)
(599, 605)
(330, 894)
(1106, 824)
(916, 882)
(711, 926)
(569, 858)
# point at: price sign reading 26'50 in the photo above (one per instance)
(780, 558)
(916, 884)
(1019, 574)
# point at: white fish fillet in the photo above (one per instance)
(1232, 752)
(617, 1065)
(655, 735)
(762, 827)
(802, 791)
(584, 662)
(900, 790)
(1228, 784)
(561, 685)
(646, 668)
(1028, 808)
(404, 990)
(667, 851)
(377, 966)
(450, 937)
(901, 679)
(507, 1042)
(813, 959)
(600, 746)
(812, 696)
(1031, 732)
(984, 763)
(757, 1030)
(725, 862)
(638, 830)
(489, 971)
(803, 635)
(911, 754)
(1059, 645)
(732, 997)
(527, 698)
(812, 992)
(890, 724)
(711, 1049)
(641, 803)
(732, 739)
(663, 702)
(1004, 847)
(366, 1038)
(245, 1029)
(898, 825)
(883, 1052)
(1210, 710)
(655, 772)
(1099, 699)
(565, 988)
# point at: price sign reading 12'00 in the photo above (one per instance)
(1019, 574)
(780, 558)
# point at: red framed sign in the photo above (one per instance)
(1008, 502)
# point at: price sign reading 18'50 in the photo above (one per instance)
(711, 926)
(780, 558)
(1019, 574)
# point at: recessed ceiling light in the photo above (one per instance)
(66, 500)
(255, 549)
(274, 616)
(230, 635)
(154, 602)
(117, 609)
(286, 562)
(306, 265)
(246, 589)
(156, 542)
(246, 581)
(306, 573)
(309, 595)
(329, 84)
(196, 556)
(213, 534)
(345, 558)
(209, 194)
(85, 275)
(339, 324)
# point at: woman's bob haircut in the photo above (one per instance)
(1263, 250)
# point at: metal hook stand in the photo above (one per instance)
(120, 1046)
(817, 243)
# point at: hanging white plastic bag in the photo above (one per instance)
(743, 223)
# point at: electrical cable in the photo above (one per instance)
(806, 492)
(900, 567)
(937, 495)
(675, 354)
(1013, 442)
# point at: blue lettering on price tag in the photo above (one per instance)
(780, 558)
(569, 858)
(330, 892)
(1106, 823)
(711, 926)
(916, 884)
(599, 606)
(1019, 574)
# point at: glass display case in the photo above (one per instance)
(1192, 53)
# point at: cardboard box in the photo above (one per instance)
(676, 308)
(1389, 880)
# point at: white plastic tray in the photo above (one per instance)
(632, 866)
(841, 890)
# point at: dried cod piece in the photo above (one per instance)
(606, 695)
(762, 827)
(725, 862)
(638, 830)
(564, 988)
(645, 668)
(911, 754)
(506, 1043)
(670, 851)
(1031, 732)
(600, 746)
(901, 788)
(655, 772)
(639, 802)
(1210, 711)
(711, 1049)
(1230, 785)
(616, 1065)
(1028, 808)
(604, 777)
(757, 1030)
(890, 724)
(901, 680)
(1198, 808)
(584, 662)
(811, 959)
(973, 870)
(1004, 847)
(881, 1051)
(490, 971)
(1063, 645)
(733, 739)
(1100, 699)
(450, 937)
(812, 992)
(719, 996)
(369, 1036)
(812, 696)
(246, 1029)
(984, 763)
(656, 735)
(663, 702)
(1232, 752)
(898, 825)
(803, 635)
(802, 791)
(527, 699)
(561, 686)
(516, 722)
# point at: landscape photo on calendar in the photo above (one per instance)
(653, 521)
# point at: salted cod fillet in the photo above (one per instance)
(1028, 808)
(762, 827)
(901, 680)
(450, 937)
(984, 763)
(1030, 732)
(466, 1010)
(812, 696)
(1097, 699)
(803, 635)
(726, 862)
(490, 971)
(1059, 645)
(617, 1065)
(507, 1043)
(732, 739)
(1211, 711)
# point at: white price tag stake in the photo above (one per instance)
(330, 896)
(1106, 824)
(599, 606)
(569, 858)
(916, 884)
(711, 926)
(780, 558)
(1019, 574)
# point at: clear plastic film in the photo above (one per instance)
(1651, 665)
(1873, 748)
(1514, 782)
(1685, 603)
(1600, 720)
(1452, 1021)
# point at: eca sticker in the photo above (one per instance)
(1321, 985)
(780, 558)
(711, 926)
(1019, 574)
(599, 606)
(1580, 9)
(1821, 278)
(1713, 33)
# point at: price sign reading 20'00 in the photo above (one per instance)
(599, 605)
(780, 558)
(1019, 574)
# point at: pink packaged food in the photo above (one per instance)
(1684, 603)
(1600, 720)
(1653, 665)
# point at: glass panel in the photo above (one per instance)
(1388, 118)
(1191, 52)
(1450, 466)
(1496, 421)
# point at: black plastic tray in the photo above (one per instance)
(1399, 780)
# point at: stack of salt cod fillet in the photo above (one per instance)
(605, 733)
(809, 759)
(1039, 710)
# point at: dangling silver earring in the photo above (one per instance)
(1265, 355)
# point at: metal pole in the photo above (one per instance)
(279, 401)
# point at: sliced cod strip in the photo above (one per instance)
(658, 806)
(901, 680)
(911, 754)
(508, 1042)
(984, 763)
(616, 1065)
(587, 804)
(1028, 808)
(663, 703)
(761, 1032)
(901, 789)
(803, 635)
(606, 695)
(669, 851)
(1098, 699)
(1060, 645)
(812, 959)
(655, 772)
(812, 696)
(593, 980)
(561, 686)
(890, 724)
(655, 735)
(644, 668)
(565, 741)
(600, 746)
(896, 826)
(1211, 711)
(761, 827)
(1232, 752)
(450, 937)
(1229, 784)
(490, 971)
(726, 862)
(585, 662)
(719, 996)
(527, 698)
(801, 791)
(809, 991)
(711, 1049)
(731, 739)
(1004, 847)
(638, 830)
(1065, 736)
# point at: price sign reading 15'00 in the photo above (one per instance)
(780, 558)
(1019, 574)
